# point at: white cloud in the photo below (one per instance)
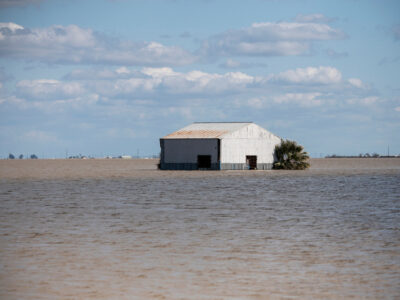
(75, 45)
(81, 103)
(364, 100)
(54, 37)
(335, 54)
(396, 32)
(8, 28)
(173, 82)
(165, 79)
(162, 80)
(302, 99)
(98, 74)
(132, 85)
(310, 75)
(13, 100)
(315, 18)
(121, 133)
(230, 63)
(185, 112)
(122, 70)
(121, 89)
(159, 72)
(296, 31)
(255, 102)
(356, 82)
(201, 82)
(268, 39)
(9, 3)
(40, 136)
(369, 100)
(49, 89)
(77, 103)
(234, 64)
(72, 45)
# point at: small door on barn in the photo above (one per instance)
(251, 162)
(204, 161)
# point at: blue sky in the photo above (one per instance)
(101, 77)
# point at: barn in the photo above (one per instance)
(218, 146)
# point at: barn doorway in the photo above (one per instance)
(204, 161)
(251, 162)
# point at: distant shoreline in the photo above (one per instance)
(345, 156)
(78, 169)
(152, 158)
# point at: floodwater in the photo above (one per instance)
(120, 229)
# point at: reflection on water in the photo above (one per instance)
(202, 237)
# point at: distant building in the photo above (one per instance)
(218, 146)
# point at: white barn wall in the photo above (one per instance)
(251, 140)
(251, 131)
(236, 150)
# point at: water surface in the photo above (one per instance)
(107, 230)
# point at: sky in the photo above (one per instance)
(110, 77)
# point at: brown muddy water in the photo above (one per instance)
(120, 229)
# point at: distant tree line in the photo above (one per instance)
(366, 155)
(21, 156)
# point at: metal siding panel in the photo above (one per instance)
(162, 151)
(236, 150)
(186, 150)
(231, 166)
(186, 166)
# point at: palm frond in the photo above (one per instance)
(291, 156)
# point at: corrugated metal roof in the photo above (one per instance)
(206, 130)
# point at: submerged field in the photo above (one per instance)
(147, 168)
(120, 229)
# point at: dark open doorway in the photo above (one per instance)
(203, 161)
(251, 162)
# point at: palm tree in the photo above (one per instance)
(290, 156)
